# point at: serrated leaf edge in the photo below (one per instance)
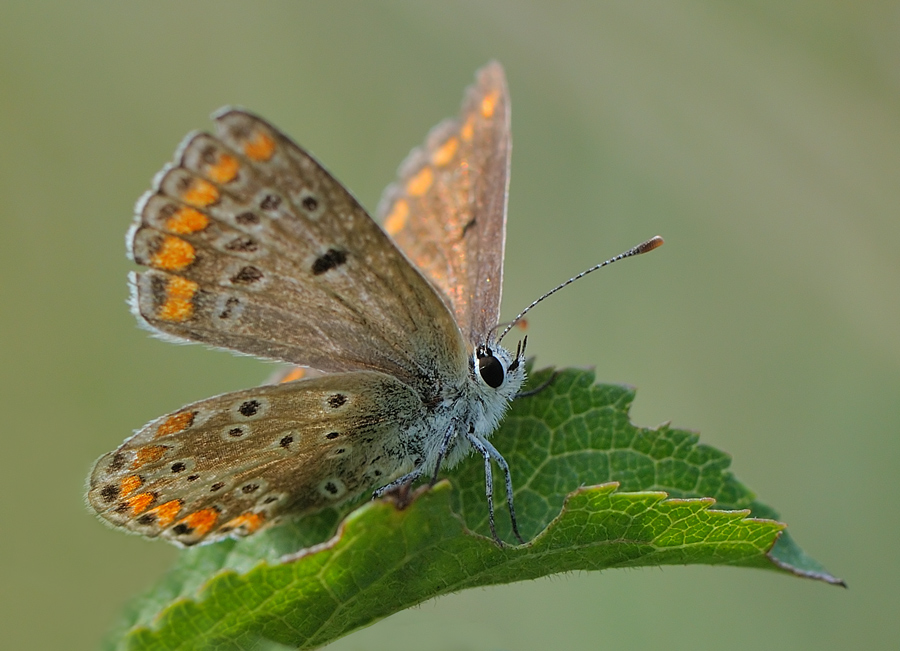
(364, 509)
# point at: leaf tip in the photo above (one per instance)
(787, 556)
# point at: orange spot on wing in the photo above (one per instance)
(148, 454)
(249, 521)
(295, 374)
(176, 423)
(225, 169)
(139, 503)
(396, 220)
(187, 221)
(489, 103)
(174, 254)
(445, 153)
(468, 129)
(200, 193)
(179, 299)
(260, 147)
(165, 513)
(201, 521)
(127, 485)
(419, 184)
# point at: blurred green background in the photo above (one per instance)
(760, 138)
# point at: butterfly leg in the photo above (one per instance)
(495, 454)
(478, 444)
(442, 451)
(406, 479)
(537, 389)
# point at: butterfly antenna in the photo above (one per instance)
(644, 247)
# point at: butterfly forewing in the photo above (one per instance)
(254, 247)
(447, 211)
(233, 464)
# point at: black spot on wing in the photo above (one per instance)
(336, 400)
(242, 243)
(249, 408)
(109, 492)
(247, 276)
(247, 218)
(329, 260)
(117, 463)
(228, 310)
(270, 202)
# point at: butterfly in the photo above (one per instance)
(252, 246)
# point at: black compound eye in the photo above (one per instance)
(491, 370)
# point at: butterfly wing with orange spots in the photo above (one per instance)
(234, 464)
(447, 211)
(254, 247)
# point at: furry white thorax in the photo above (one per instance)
(470, 406)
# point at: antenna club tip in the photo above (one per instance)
(653, 243)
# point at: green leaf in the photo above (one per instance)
(592, 492)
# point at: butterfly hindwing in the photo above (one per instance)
(447, 210)
(235, 463)
(254, 247)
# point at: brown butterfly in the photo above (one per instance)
(252, 246)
